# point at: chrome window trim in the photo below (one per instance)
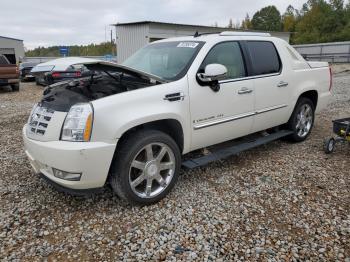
(247, 78)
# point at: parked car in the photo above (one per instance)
(61, 69)
(24, 69)
(9, 74)
(132, 125)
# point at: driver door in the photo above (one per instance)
(228, 113)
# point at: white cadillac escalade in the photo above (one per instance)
(131, 124)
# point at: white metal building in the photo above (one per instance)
(135, 35)
(12, 46)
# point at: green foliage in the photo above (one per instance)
(267, 19)
(76, 50)
(323, 22)
(246, 23)
(318, 21)
(289, 19)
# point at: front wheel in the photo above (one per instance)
(146, 167)
(329, 145)
(302, 120)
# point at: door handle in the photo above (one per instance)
(282, 84)
(245, 90)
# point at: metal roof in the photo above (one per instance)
(189, 25)
(11, 38)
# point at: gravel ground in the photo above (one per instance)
(278, 202)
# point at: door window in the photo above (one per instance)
(228, 54)
(264, 56)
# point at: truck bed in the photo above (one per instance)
(8, 71)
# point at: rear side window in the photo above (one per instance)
(3, 60)
(265, 59)
(228, 54)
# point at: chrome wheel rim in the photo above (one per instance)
(304, 120)
(331, 145)
(152, 170)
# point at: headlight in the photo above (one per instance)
(31, 116)
(77, 126)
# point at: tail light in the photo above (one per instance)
(330, 79)
(56, 74)
(17, 70)
(78, 74)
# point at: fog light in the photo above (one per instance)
(66, 175)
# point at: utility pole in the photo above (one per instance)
(112, 42)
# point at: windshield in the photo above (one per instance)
(167, 60)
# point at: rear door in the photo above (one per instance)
(271, 85)
(228, 113)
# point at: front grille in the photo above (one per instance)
(39, 120)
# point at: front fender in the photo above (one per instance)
(115, 115)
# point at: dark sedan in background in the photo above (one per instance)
(61, 69)
(24, 70)
(72, 72)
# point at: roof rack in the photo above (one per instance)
(230, 33)
(206, 33)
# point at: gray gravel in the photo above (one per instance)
(278, 202)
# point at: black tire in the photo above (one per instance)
(15, 87)
(293, 121)
(329, 145)
(126, 153)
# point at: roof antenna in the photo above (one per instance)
(196, 34)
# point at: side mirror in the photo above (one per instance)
(213, 73)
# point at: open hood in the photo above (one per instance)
(113, 67)
(109, 79)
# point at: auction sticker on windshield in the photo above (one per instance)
(188, 44)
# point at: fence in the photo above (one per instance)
(336, 52)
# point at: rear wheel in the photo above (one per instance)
(302, 120)
(146, 167)
(15, 87)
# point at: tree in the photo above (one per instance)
(246, 23)
(337, 4)
(267, 19)
(87, 50)
(230, 24)
(323, 22)
(289, 19)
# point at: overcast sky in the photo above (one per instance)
(67, 22)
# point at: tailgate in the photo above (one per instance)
(313, 64)
(8, 71)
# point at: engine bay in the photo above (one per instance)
(61, 96)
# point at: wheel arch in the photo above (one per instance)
(312, 95)
(169, 126)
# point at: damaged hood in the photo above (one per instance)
(113, 67)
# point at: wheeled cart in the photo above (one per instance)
(341, 127)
